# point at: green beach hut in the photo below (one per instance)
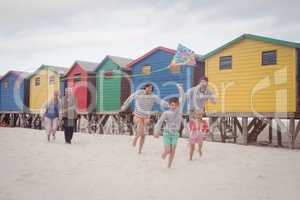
(113, 84)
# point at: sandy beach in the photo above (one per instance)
(107, 167)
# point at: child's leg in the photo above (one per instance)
(200, 144)
(192, 149)
(172, 155)
(167, 150)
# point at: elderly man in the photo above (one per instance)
(199, 95)
(69, 114)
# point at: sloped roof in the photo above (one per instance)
(171, 51)
(57, 69)
(120, 61)
(88, 66)
(17, 73)
(252, 37)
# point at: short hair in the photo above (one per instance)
(204, 78)
(174, 100)
(148, 85)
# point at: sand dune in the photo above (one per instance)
(107, 167)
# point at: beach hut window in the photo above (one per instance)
(37, 81)
(175, 69)
(5, 84)
(146, 70)
(51, 80)
(269, 57)
(225, 62)
(77, 77)
(108, 74)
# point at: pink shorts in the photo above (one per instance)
(195, 138)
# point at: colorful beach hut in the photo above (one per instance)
(255, 74)
(43, 82)
(256, 77)
(81, 78)
(154, 67)
(113, 83)
(13, 92)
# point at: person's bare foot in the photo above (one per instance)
(163, 155)
(200, 152)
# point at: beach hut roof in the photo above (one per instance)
(252, 37)
(87, 66)
(56, 69)
(171, 51)
(120, 61)
(17, 73)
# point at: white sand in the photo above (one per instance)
(108, 168)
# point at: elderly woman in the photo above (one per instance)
(69, 114)
(50, 115)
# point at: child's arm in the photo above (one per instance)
(158, 125)
(181, 97)
(161, 102)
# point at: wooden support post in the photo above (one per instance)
(245, 130)
(11, 120)
(270, 121)
(234, 130)
(222, 130)
(279, 138)
(292, 133)
(211, 123)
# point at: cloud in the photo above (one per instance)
(59, 32)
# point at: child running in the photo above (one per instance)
(173, 119)
(198, 132)
(144, 102)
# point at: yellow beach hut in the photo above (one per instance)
(255, 78)
(43, 82)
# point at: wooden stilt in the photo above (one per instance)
(222, 129)
(245, 130)
(279, 138)
(270, 121)
(234, 130)
(292, 133)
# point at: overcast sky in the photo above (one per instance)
(58, 32)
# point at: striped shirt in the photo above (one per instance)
(143, 102)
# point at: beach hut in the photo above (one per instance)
(13, 96)
(81, 78)
(43, 82)
(256, 77)
(113, 83)
(153, 67)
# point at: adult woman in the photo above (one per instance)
(50, 115)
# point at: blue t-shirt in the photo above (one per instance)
(52, 110)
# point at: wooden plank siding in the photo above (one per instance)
(109, 88)
(40, 94)
(13, 97)
(273, 87)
